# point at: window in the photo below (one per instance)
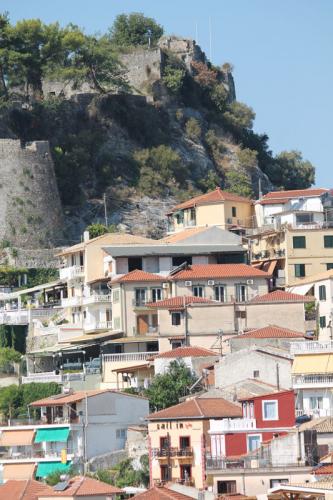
(165, 473)
(140, 296)
(234, 211)
(164, 443)
(322, 321)
(156, 294)
(322, 292)
(305, 218)
(178, 261)
(185, 472)
(184, 442)
(175, 318)
(316, 402)
(299, 270)
(276, 482)
(253, 442)
(241, 314)
(241, 294)
(220, 293)
(299, 242)
(192, 214)
(175, 345)
(270, 410)
(255, 373)
(121, 434)
(134, 263)
(329, 266)
(226, 487)
(328, 241)
(198, 291)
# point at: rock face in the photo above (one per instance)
(30, 208)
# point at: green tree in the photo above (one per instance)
(123, 474)
(14, 400)
(173, 79)
(166, 389)
(193, 129)
(247, 158)
(239, 183)
(239, 116)
(134, 29)
(3, 336)
(292, 171)
(98, 229)
(219, 97)
(55, 476)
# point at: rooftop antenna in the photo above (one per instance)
(210, 38)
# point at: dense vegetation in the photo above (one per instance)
(150, 161)
(15, 400)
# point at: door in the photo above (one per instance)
(142, 324)
(253, 442)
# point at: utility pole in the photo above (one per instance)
(105, 211)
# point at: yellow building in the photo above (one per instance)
(178, 437)
(293, 253)
(216, 208)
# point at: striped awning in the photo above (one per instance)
(18, 471)
(17, 437)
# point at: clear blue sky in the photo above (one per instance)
(282, 51)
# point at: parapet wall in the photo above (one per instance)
(30, 208)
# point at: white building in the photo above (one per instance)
(73, 429)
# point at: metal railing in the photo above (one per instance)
(314, 412)
(309, 380)
(71, 272)
(35, 454)
(233, 424)
(251, 462)
(311, 347)
(128, 356)
(172, 452)
(97, 299)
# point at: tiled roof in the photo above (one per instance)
(212, 197)
(203, 271)
(271, 332)
(80, 486)
(270, 393)
(325, 275)
(179, 302)
(282, 296)
(187, 352)
(323, 469)
(161, 493)
(199, 409)
(62, 399)
(138, 275)
(283, 196)
(183, 235)
(322, 425)
(23, 490)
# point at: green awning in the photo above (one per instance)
(44, 469)
(57, 434)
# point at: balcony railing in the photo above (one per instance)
(314, 412)
(152, 330)
(71, 302)
(307, 381)
(311, 347)
(42, 377)
(232, 424)
(139, 302)
(128, 356)
(97, 299)
(34, 454)
(71, 272)
(251, 462)
(172, 452)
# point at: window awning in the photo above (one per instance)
(313, 364)
(44, 469)
(18, 471)
(52, 435)
(300, 289)
(17, 438)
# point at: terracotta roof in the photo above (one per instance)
(215, 196)
(271, 332)
(187, 352)
(23, 489)
(161, 493)
(199, 409)
(282, 296)
(179, 302)
(322, 425)
(203, 271)
(271, 393)
(183, 235)
(80, 486)
(323, 469)
(283, 196)
(138, 275)
(325, 275)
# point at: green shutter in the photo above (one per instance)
(328, 241)
(299, 242)
(44, 469)
(52, 435)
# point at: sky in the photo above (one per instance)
(281, 51)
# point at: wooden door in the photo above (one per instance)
(142, 324)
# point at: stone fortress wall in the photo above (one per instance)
(30, 207)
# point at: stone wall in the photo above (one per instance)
(143, 68)
(30, 208)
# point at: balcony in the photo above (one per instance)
(73, 272)
(152, 330)
(97, 299)
(311, 347)
(24, 316)
(310, 381)
(139, 302)
(222, 463)
(42, 377)
(314, 412)
(34, 454)
(99, 325)
(163, 453)
(71, 302)
(232, 425)
(128, 356)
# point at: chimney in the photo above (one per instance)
(86, 236)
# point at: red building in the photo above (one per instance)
(264, 418)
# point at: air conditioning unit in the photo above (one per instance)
(165, 285)
(188, 283)
(211, 282)
(249, 282)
